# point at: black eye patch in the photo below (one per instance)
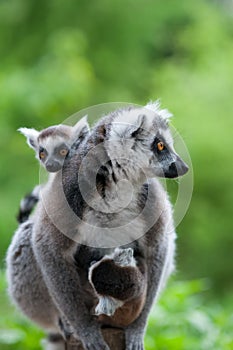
(62, 147)
(42, 149)
(42, 153)
(158, 145)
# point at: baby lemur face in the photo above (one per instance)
(53, 143)
(52, 150)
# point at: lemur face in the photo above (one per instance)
(165, 161)
(52, 152)
(53, 144)
(140, 141)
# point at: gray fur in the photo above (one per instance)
(129, 148)
(25, 282)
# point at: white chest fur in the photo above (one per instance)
(111, 229)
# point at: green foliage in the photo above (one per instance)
(59, 57)
(185, 319)
(15, 331)
(182, 319)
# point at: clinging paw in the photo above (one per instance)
(107, 306)
(124, 257)
(134, 341)
(92, 341)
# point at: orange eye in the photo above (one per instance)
(63, 152)
(160, 146)
(42, 155)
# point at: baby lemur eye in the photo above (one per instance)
(63, 152)
(160, 146)
(42, 155)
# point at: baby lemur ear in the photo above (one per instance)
(81, 128)
(31, 136)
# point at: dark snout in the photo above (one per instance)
(53, 166)
(176, 169)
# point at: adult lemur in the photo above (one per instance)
(126, 206)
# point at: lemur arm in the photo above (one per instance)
(61, 277)
(156, 262)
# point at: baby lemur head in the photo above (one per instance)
(53, 143)
(138, 142)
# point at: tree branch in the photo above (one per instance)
(114, 338)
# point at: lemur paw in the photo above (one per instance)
(107, 306)
(94, 343)
(65, 329)
(92, 338)
(135, 346)
(124, 257)
(134, 341)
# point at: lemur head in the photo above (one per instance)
(53, 143)
(139, 142)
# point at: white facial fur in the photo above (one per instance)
(131, 135)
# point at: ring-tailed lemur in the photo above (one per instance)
(53, 143)
(52, 146)
(138, 147)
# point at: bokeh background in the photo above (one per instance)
(59, 57)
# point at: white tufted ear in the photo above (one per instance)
(31, 136)
(155, 107)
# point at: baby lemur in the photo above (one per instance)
(50, 268)
(120, 262)
(53, 143)
(51, 146)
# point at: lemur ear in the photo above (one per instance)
(135, 128)
(141, 124)
(31, 136)
(128, 125)
(81, 128)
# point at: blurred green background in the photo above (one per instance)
(59, 57)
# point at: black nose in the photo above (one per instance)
(177, 168)
(53, 167)
(172, 171)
